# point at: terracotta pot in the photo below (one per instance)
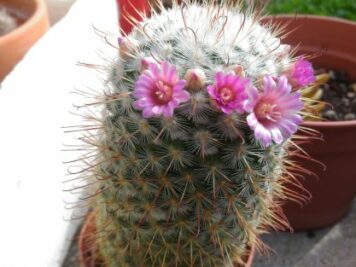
(88, 252)
(87, 249)
(334, 189)
(15, 44)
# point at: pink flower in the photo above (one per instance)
(229, 92)
(301, 73)
(273, 112)
(159, 91)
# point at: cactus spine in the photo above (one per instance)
(192, 183)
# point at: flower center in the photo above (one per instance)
(266, 111)
(163, 92)
(226, 94)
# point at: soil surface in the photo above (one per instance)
(340, 93)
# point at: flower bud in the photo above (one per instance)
(127, 46)
(237, 70)
(301, 73)
(195, 79)
(145, 62)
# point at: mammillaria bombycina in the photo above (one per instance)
(190, 156)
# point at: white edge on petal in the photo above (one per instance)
(277, 135)
(167, 111)
(268, 83)
(263, 135)
(252, 121)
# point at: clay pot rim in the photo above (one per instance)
(330, 124)
(39, 10)
(315, 18)
(322, 124)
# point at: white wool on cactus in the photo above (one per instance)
(232, 36)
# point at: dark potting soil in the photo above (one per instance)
(340, 93)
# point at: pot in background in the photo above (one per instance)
(127, 9)
(33, 18)
(333, 42)
(88, 252)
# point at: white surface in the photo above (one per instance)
(35, 101)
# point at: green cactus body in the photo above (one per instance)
(195, 188)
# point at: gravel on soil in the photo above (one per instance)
(340, 93)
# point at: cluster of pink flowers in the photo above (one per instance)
(272, 110)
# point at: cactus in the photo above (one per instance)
(191, 155)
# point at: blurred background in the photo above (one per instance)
(338, 8)
(56, 9)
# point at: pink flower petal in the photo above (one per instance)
(154, 71)
(269, 83)
(253, 96)
(276, 135)
(296, 119)
(147, 113)
(219, 79)
(174, 103)
(179, 86)
(283, 85)
(182, 96)
(140, 104)
(252, 121)
(263, 135)
(230, 80)
(157, 110)
(167, 72)
(168, 111)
